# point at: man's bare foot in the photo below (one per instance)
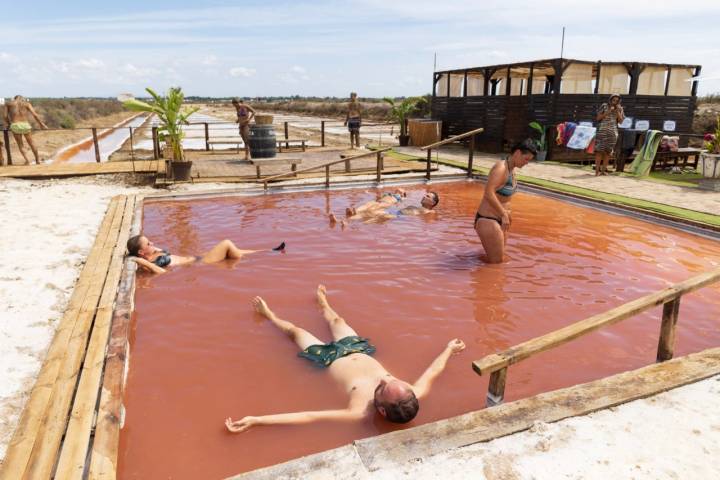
(343, 224)
(322, 295)
(333, 219)
(261, 307)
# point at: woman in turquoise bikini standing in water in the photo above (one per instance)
(493, 217)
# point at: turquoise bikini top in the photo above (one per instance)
(509, 187)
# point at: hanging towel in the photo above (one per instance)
(560, 132)
(569, 130)
(591, 147)
(581, 137)
(644, 159)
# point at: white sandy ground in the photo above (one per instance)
(47, 228)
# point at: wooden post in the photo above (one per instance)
(530, 79)
(347, 166)
(496, 388)
(465, 85)
(95, 143)
(207, 138)
(327, 176)
(286, 130)
(666, 344)
(6, 137)
(429, 156)
(667, 80)
(378, 167)
(132, 148)
(507, 87)
(597, 80)
(156, 145)
(470, 156)
(693, 91)
(322, 133)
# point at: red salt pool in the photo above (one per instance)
(199, 353)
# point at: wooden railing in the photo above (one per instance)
(326, 166)
(497, 364)
(471, 149)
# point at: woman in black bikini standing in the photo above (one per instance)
(245, 113)
(493, 218)
(155, 259)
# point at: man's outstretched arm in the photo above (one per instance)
(297, 418)
(424, 383)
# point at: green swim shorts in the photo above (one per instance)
(325, 355)
(20, 128)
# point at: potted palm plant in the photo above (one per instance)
(540, 140)
(710, 160)
(172, 117)
(399, 111)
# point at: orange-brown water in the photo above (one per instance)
(200, 354)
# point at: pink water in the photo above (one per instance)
(200, 354)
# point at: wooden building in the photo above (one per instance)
(503, 99)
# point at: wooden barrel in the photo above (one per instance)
(424, 132)
(262, 141)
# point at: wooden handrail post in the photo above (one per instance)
(378, 167)
(6, 137)
(95, 143)
(470, 156)
(347, 166)
(286, 130)
(207, 137)
(666, 343)
(327, 176)
(429, 156)
(322, 133)
(496, 388)
(156, 144)
(132, 147)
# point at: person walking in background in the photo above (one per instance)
(245, 114)
(17, 115)
(608, 117)
(353, 120)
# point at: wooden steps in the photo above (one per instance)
(56, 425)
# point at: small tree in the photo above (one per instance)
(399, 111)
(171, 115)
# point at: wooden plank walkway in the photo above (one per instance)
(54, 170)
(55, 427)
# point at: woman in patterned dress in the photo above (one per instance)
(608, 117)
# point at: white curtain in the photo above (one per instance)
(614, 79)
(475, 85)
(441, 86)
(516, 86)
(577, 78)
(456, 84)
(652, 81)
(679, 86)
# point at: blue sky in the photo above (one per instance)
(375, 47)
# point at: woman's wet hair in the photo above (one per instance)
(133, 245)
(436, 197)
(526, 146)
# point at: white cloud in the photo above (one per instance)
(209, 60)
(242, 72)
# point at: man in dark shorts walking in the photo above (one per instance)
(353, 120)
(370, 387)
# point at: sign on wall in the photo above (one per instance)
(642, 124)
(669, 125)
(627, 123)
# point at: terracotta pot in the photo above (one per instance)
(710, 165)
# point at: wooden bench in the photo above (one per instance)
(237, 141)
(683, 157)
(290, 143)
(258, 162)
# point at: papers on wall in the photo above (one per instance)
(627, 123)
(586, 124)
(642, 124)
(669, 125)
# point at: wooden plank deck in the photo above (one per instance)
(53, 170)
(63, 401)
